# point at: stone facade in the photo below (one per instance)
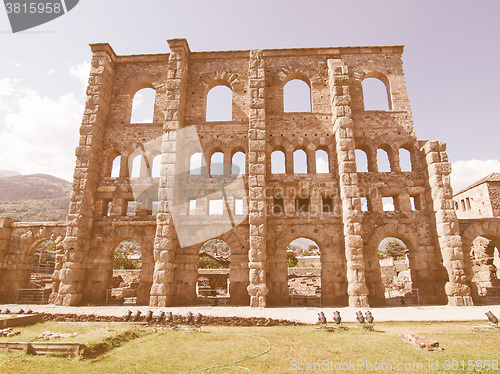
(480, 200)
(343, 209)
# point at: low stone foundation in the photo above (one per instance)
(177, 320)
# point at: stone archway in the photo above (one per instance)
(186, 269)
(304, 272)
(99, 277)
(333, 266)
(426, 276)
(480, 244)
(213, 273)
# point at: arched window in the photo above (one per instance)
(115, 168)
(405, 159)
(219, 104)
(143, 106)
(297, 96)
(156, 166)
(322, 162)
(238, 163)
(195, 164)
(361, 161)
(299, 162)
(383, 162)
(217, 163)
(277, 162)
(135, 172)
(375, 94)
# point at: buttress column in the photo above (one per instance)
(76, 244)
(257, 181)
(163, 288)
(343, 128)
(450, 242)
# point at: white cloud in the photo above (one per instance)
(38, 134)
(17, 65)
(466, 172)
(51, 71)
(81, 71)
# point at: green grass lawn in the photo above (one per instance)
(292, 348)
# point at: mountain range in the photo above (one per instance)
(33, 198)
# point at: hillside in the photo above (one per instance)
(37, 197)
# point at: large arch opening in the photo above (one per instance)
(125, 288)
(143, 106)
(40, 281)
(219, 104)
(297, 96)
(213, 283)
(375, 94)
(304, 272)
(485, 262)
(395, 273)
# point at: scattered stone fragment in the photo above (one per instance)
(9, 332)
(421, 342)
(47, 335)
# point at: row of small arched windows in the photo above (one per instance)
(300, 162)
(296, 98)
(142, 167)
(366, 161)
(139, 167)
(278, 163)
(217, 165)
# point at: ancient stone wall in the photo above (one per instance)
(494, 192)
(17, 252)
(474, 203)
(343, 209)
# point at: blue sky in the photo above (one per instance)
(451, 64)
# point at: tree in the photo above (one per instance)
(206, 262)
(313, 248)
(216, 247)
(291, 260)
(394, 248)
(121, 261)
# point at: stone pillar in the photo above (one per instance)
(86, 177)
(438, 170)
(288, 160)
(8, 288)
(257, 288)
(343, 128)
(163, 288)
(311, 162)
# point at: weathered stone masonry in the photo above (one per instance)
(347, 234)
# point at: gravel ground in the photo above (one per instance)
(304, 314)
